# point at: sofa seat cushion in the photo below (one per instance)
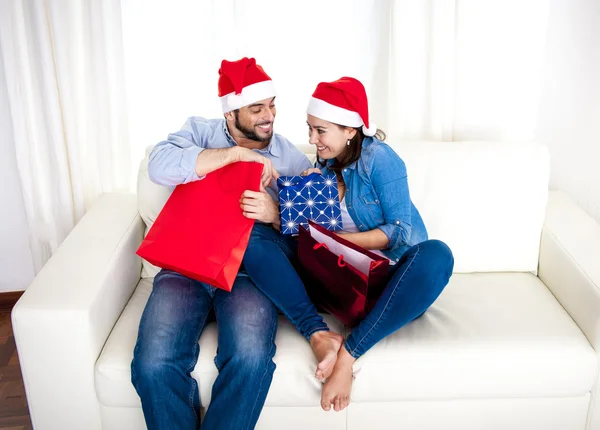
(293, 384)
(487, 336)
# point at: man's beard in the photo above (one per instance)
(249, 133)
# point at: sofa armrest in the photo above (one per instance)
(570, 267)
(65, 316)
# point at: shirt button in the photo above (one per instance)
(397, 222)
(361, 226)
(345, 170)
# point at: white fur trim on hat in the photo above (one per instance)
(250, 94)
(371, 131)
(335, 114)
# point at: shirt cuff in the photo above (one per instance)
(393, 232)
(188, 164)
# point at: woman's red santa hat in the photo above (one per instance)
(242, 83)
(343, 102)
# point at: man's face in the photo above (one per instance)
(255, 121)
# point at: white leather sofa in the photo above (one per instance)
(512, 343)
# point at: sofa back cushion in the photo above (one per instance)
(486, 200)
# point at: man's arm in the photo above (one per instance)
(182, 158)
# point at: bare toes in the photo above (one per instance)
(346, 402)
(325, 402)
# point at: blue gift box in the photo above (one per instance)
(314, 197)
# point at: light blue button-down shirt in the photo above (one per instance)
(173, 161)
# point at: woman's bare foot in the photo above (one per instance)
(336, 391)
(325, 345)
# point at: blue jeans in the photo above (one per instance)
(270, 261)
(167, 350)
(415, 282)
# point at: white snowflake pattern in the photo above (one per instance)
(316, 199)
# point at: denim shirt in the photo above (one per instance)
(173, 161)
(377, 196)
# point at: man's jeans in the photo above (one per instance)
(167, 350)
(415, 282)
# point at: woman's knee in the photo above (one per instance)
(439, 253)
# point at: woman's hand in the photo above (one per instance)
(311, 170)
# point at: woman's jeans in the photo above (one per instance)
(270, 261)
(415, 282)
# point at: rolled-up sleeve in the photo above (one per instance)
(173, 161)
(390, 181)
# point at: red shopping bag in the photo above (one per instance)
(201, 231)
(341, 278)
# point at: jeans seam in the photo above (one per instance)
(190, 366)
(352, 353)
(272, 339)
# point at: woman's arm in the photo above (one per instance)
(372, 239)
(388, 176)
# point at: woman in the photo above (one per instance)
(377, 214)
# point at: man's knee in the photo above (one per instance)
(145, 367)
(251, 343)
(251, 353)
(153, 362)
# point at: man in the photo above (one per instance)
(167, 347)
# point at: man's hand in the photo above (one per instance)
(268, 174)
(311, 170)
(260, 206)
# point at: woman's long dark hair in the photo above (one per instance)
(353, 152)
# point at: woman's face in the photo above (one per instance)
(329, 138)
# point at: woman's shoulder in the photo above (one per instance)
(378, 153)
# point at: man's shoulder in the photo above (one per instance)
(205, 122)
(286, 146)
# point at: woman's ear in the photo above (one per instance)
(350, 132)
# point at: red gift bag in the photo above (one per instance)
(341, 278)
(201, 231)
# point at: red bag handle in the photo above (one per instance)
(340, 261)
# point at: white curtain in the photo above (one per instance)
(64, 72)
(434, 69)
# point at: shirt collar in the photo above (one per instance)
(273, 148)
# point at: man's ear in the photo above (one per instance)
(229, 116)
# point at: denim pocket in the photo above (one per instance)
(372, 203)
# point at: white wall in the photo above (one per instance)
(16, 264)
(569, 117)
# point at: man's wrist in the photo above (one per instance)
(235, 154)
